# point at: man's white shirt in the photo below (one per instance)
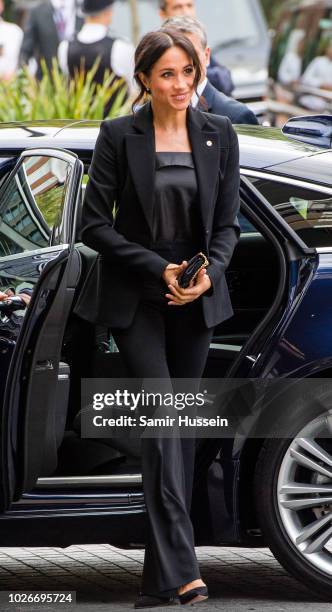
(122, 54)
(68, 9)
(290, 68)
(11, 37)
(200, 88)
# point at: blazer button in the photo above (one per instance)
(206, 231)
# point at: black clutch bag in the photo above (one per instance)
(195, 264)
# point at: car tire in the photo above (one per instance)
(282, 463)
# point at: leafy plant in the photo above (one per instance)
(56, 96)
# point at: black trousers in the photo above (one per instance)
(166, 342)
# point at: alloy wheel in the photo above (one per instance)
(304, 492)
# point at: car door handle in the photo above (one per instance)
(42, 366)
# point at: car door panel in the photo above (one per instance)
(43, 369)
(52, 272)
(14, 272)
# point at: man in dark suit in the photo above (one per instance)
(48, 24)
(209, 98)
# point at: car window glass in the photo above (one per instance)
(308, 212)
(246, 226)
(32, 204)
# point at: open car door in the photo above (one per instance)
(39, 270)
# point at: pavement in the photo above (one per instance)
(107, 579)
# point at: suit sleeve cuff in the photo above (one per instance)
(214, 273)
(157, 266)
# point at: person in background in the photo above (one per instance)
(319, 72)
(291, 65)
(210, 99)
(11, 37)
(48, 24)
(94, 41)
(218, 75)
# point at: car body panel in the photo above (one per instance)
(258, 148)
(298, 353)
(315, 168)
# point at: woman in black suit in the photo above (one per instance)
(172, 174)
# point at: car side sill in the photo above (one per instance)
(56, 482)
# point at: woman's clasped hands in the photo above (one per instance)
(179, 296)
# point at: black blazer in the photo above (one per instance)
(219, 104)
(122, 172)
(41, 37)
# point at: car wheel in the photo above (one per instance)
(293, 493)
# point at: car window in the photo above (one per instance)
(307, 211)
(31, 206)
(246, 226)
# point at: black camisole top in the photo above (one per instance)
(176, 212)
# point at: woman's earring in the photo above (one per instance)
(148, 90)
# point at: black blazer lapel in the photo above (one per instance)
(205, 144)
(141, 159)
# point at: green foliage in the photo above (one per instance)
(56, 96)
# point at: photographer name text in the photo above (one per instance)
(167, 421)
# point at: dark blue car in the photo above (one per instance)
(267, 485)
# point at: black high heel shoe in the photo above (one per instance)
(152, 601)
(194, 596)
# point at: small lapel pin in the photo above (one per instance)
(209, 143)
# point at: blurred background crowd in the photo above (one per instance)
(74, 58)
